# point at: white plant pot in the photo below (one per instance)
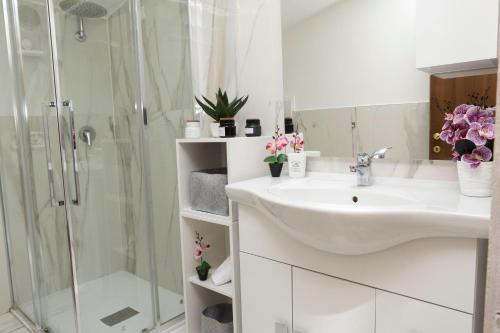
(297, 165)
(214, 129)
(475, 182)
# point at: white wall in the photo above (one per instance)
(356, 52)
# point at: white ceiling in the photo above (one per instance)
(294, 11)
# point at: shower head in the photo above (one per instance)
(82, 8)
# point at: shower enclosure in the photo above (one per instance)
(96, 96)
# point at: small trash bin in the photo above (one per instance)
(208, 191)
(217, 319)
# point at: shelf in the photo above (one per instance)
(222, 140)
(225, 289)
(206, 217)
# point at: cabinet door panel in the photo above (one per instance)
(398, 314)
(266, 295)
(322, 304)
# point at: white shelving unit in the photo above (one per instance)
(243, 158)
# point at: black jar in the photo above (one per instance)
(289, 125)
(227, 128)
(253, 127)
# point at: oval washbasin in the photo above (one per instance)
(329, 212)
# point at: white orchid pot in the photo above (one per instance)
(475, 182)
(214, 129)
(297, 165)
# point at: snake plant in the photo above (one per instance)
(222, 108)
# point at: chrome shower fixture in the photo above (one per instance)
(82, 9)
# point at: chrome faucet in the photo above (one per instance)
(363, 167)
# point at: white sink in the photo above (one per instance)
(329, 212)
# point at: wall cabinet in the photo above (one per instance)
(456, 35)
(279, 298)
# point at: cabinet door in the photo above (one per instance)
(398, 314)
(444, 39)
(266, 295)
(322, 304)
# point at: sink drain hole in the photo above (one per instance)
(355, 199)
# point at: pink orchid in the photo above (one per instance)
(201, 247)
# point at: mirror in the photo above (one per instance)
(351, 81)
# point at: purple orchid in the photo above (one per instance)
(473, 123)
(480, 133)
(478, 155)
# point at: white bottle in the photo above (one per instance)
(297, 161)
(297, 165)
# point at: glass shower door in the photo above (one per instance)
(33, 195)
(106, 193)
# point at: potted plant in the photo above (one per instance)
(297, 159)
(470, 129)
(221, 108)
(201, 247)
(276, 148)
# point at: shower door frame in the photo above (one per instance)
(16, 65)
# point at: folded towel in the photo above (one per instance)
(224, 273)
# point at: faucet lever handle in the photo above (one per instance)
(380, 154)
(353, 168)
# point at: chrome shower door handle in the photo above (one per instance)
(48, 153)
(74, 152)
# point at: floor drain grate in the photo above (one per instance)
(119, 316)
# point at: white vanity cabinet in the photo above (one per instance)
(397, 314)
(279, 298)
(456, 35)
(424, 286)
(322, 304)
(266, 294)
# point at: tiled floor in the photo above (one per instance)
(9, 324)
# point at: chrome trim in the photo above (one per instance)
(143, 150)
(20, 111)
(26, 321)
(48, 154)
(74, 149)
(62, 148)
(6, 237)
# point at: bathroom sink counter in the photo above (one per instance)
(329, 212)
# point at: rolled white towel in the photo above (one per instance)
(223, 273)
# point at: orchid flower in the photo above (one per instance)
(478, 155)
(481, 133)
(472, 123)
(201, 247)
(275, 148)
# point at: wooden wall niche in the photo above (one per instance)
(446, 95)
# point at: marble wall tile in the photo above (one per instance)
(417, 169)
(404, 127)
(327, 130)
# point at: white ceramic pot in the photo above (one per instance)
(214, 129)
(475, 182)
(297, 165)
(192, 129)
